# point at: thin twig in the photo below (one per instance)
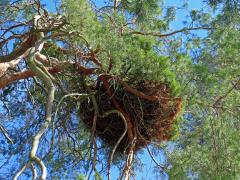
(57, 109)
(4, 132)
(154, 160)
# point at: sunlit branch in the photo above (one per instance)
(39, 71)
(127, 169)
(4, 132)
(121, 137)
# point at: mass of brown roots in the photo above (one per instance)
(151, 120)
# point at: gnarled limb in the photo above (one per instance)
(51, 90)
(11, 78)
(58, 67)
(23, 48)
(40, 72)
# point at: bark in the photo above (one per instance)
(11, 78)
(23, 48)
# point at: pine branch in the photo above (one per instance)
(169, 34)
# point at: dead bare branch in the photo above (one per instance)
(119, 140)
(154, 160)
(34, 172)
(4, 132)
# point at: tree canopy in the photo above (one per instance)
(93, 85)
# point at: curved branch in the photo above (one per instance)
(39, 71)
(121, 137)
(154, 160)
(104, 79)
(69, 95)
(6, 30)
(14, 36)
(43, 74)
